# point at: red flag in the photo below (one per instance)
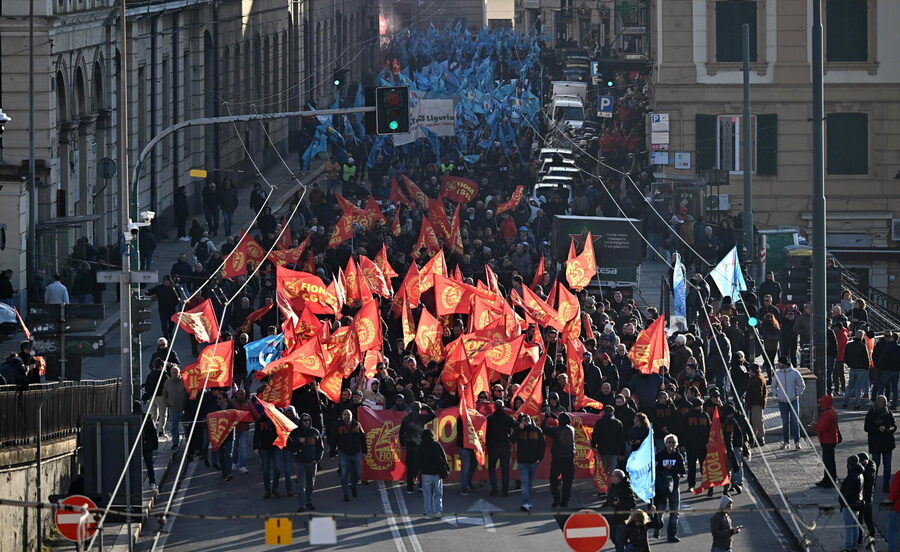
(569, 311)
(286, 239)
(491, 279)
(397, 195)
(254, 316)
(212, 369)
(408, 324)
(455, 365)
(415, 192)
(302, 288)
(200, 322)
(221, 422)
(309, 265)
(381, 259)
(246, 251)
(455, 238)
(283, 425)
(458, 189)
(343, 231)
(715, 466)
(307, 325)
(428, 338)
(539, 274)
(581, 270)
(438, 218)
(650, 350)
(409, 292)
(513, 202)
(598, 470)
(501, 356)
(375, 211)
(474, 428)
(452, 297)
(574, 357)
(307, 359)
(535, 307)
(396, 227)
(280, 386)
(355, 283)
(25, 329)
(532, 389)
(375, 277)
(435, 265)
(367, 327)
(427, 240)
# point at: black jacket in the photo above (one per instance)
(563, 441)
(722, 530)
(500, 426)
(412, 426)
(530, 444)
(432, 459)
(306, 444)
(856, 356)
(852, 487)
(620, 498)
(669, 469)
(608, 436)
(349, 439)
(880, 441)
(889, 357)
(696, 430)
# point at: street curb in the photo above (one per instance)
(784, 523)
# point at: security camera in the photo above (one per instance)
(147, 216)
(4, 118)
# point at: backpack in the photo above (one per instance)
(201, 251)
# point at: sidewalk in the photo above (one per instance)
(797, 471)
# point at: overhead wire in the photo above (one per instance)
(235, 295)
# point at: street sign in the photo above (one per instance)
(109, 276)
(144, 277)
(586, 531)
(53, 327)
(80, 345)
(605, 106)
(198, 173)
(54, 312)
(70, 521)
(106, 168)
(595, 68)
(279, 531)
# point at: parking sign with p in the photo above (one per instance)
(605, 106)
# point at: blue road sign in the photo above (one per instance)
(605, 106)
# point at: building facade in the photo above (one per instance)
(186, 59)
(623, 26)
(697, 52)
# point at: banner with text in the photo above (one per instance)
(385, 461)
(438, 115)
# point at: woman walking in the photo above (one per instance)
(435, 468)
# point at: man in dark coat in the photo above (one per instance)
(500, 426)
(411, 437)
(880, 427)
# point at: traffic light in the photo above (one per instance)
(339, 77)
(140, 313)
(391, 109)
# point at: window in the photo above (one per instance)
(846, 30)
(720, 143)
(730, 16)
(847, 143)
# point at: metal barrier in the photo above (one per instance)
(52, 410)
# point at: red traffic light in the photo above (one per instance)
(393, 99)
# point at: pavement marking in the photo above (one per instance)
(386, 504)
(488, 522)
(163, 534)
(767, 517)
(407, 522)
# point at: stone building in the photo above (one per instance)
(186, 59)
(697, 53)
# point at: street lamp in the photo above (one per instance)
(4, 118)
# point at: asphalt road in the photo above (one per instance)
(385, 519)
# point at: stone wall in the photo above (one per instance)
(18, 479)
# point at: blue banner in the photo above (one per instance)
(729, 277)
(679, 289)
(263, 351)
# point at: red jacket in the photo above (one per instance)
(827, 426)
(894, 495)
(842, 336)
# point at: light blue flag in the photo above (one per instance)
(679, 289)
(728, 276)
(641, 467)
(263, 351)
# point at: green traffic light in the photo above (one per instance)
(610, 83)
(393, 125)
(337, 82)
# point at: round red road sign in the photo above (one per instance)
(70, 521)
(586, 531)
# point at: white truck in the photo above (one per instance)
(571, 88)
(567, 111)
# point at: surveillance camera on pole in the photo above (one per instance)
(4, 118)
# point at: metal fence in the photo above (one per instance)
(60, 407)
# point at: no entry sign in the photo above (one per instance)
(586, 531)
(69, 519)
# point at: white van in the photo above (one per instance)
(567, 111)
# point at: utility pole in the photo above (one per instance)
(819, 300)
(747, 155)
(125, 360)
(31, 241)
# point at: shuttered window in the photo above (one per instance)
(730, 16)
(847, 142)
(846, 30)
